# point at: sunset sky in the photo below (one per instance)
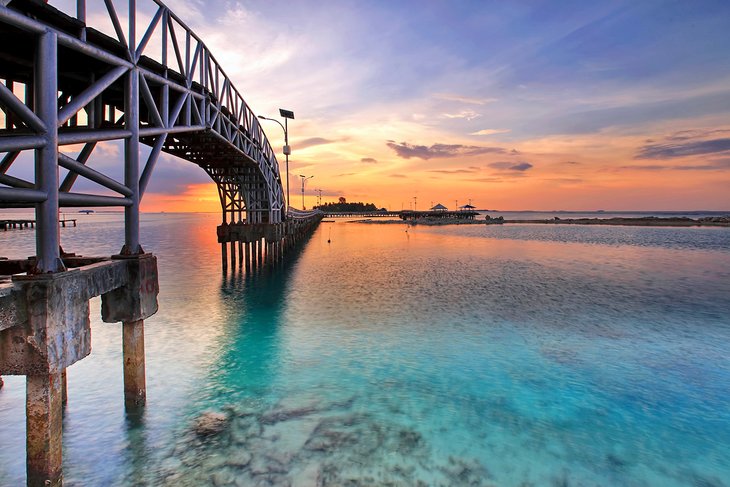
(515, 105)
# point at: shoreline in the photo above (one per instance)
(649, 221)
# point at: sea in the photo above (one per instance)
(459, 355)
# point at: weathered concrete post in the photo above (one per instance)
(224, 256)
(64, 387)
(132, 304)
(135, 388)
(44, 430)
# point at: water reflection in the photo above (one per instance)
(249, 353)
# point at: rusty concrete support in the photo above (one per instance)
(240, 255)
(224, 256)
(64, 387)
(260, 254)
(132, 304)
(247, 250)
(135, 389)
(43, 430)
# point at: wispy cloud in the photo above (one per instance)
(693, 134)
(406, 150)
(670, 150)
(511, 166)
(369, 160)
(455, 171)
(490, 132)
(720, 165)
(312, 141)
(465, 114)
(397, 176)
(464, 99)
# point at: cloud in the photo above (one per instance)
(693, 134)
(488, 180)
(455, 171)
(564, 180)
(668, 151)
(312, 141)
(464, 99)
(397, 176)
(465, 114)
(490, 132)
(406, 150)
(173, 176)
(346, 174)
(719, 165)
(369, 160)
(511, 166)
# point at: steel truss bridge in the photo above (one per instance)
(67, 86)
(118, 74)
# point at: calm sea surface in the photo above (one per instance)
(457, 355)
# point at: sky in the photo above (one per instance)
(545, 105)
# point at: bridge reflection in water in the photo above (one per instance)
(67, 87)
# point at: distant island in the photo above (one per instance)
(342, 206)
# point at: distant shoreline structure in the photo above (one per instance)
(648, 221)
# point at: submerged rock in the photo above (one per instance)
(239, 459)
(280, 415)
(210, 423)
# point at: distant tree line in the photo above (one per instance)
(344, 207)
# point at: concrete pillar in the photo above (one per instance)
(240, 254)
(260, 254)
(247, 250)
(43, 430)
(224, 256)
(64, 388)
(233, 255)
(133, 355)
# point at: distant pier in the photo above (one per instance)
(21, 224)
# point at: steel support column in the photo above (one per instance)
(46, 165)
(131, 164)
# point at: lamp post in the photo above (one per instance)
(304, 179)
(287, 114)
(319, 197)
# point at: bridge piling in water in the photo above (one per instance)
(263, 243)
(45, 328)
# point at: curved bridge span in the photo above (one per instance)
(70, 83)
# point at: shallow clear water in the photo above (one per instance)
(456, 355)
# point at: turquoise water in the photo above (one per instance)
(457, 355)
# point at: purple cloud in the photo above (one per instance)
(511, 166)
(671, 150)
(406, 150)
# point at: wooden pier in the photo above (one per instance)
(22, 224)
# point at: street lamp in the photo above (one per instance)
(287, 114)
(304, 178)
